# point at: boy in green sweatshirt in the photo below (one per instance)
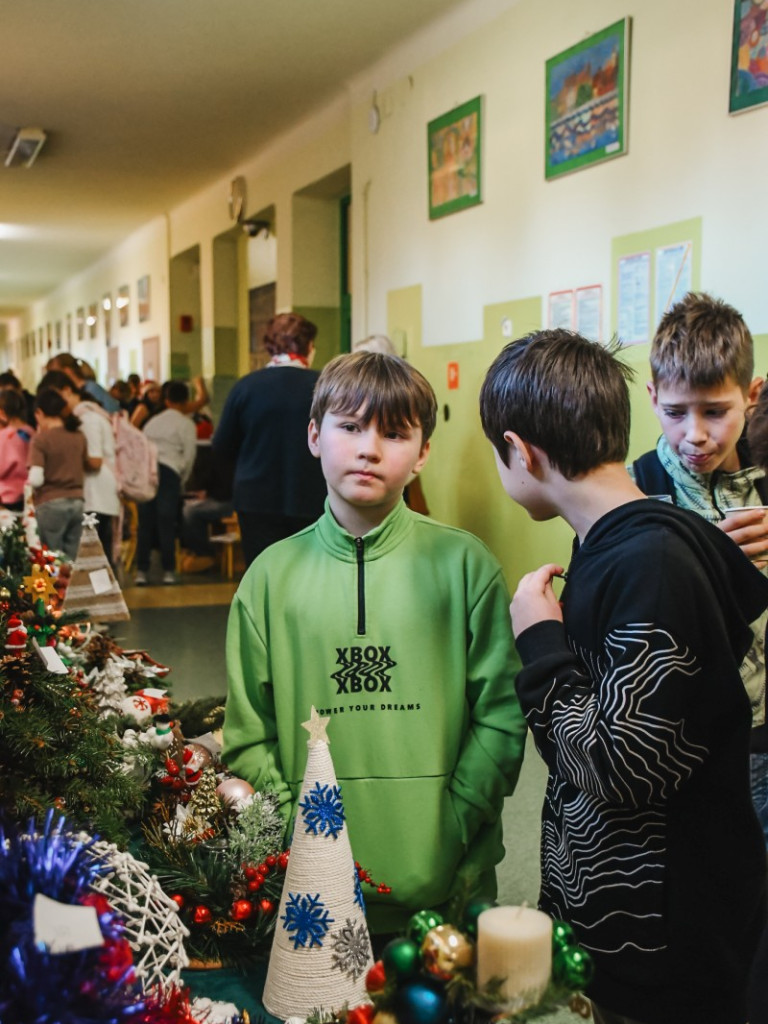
(397, 628)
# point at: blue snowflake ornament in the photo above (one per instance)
(323, 811)
(307, 917)
(359, 900)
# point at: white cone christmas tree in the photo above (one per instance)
(321, 951)
(93, 587)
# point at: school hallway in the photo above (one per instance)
(184, 626)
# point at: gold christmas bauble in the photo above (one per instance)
(445, 951)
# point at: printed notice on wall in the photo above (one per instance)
(673, 275)
(589, 312)
(634, 298)
(560, 312)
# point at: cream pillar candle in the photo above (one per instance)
(515, 943)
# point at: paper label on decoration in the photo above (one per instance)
(64, 927)
(153, 693)
(50, 658)
(100, 581)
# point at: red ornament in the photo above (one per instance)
(362, 1014)
(282, 861)
(266, 906)
(178, 899)
(171, 767)
(376, 978)
(17, 697)
(263, 870)
(202, 915)
(271, 860)
(241, 910)
(250, 872)
(254, 885)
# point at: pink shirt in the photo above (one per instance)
(14, 447)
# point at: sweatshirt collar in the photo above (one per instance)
(376, 542)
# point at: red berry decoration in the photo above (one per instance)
(202, 915)
(363, 1014)
(266, 906)
(376, 978)
(282, 861)
(178, 899)
(254, 885)
(271, 860)
(241, 910)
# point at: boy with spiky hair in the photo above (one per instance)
(701, 388)
(396, 627)
(631, 686)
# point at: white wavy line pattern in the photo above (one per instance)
(621, 752)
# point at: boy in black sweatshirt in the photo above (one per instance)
(631, 686)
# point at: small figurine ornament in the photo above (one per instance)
(16, 637)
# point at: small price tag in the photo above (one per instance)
(50, 658)
(64, 927)
(100, 581)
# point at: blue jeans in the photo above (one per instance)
(158, 522)
(197, 517)
(758, 766)
(60, 523)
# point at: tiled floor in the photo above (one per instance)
(184, 626)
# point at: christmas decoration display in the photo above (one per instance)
(93, 587)
(321, 949)
(494, 966)
(64, 950)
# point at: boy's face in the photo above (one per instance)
(364, 468)
(703, 424)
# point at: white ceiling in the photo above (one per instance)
(147, 101)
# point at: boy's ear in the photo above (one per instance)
(754, 390)
(313, 438)
(651, 388)
(520, 450)
(423, 456)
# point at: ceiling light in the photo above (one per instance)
(26, 144)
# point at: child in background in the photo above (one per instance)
(57, 463)
(395, 626)
(173, 431)
(15, 435)
(702, 385)
(631, 686)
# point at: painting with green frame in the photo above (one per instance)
(749, 56)
(587, 100)
(454, 153)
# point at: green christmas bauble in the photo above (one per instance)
(472, 911)
(572, 967)
(562, 935)
(401, 959)
(422, 922)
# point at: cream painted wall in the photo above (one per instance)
(442, 288)
(144, 252)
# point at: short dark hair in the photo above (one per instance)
(13, 404)
(700, 342)
(57, 379)
(176, 391)
(386, 388)
(10, 380)
(50, 403)
(565, 395)
(289, 332)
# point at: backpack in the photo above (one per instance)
(135, 461)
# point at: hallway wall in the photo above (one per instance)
(446, 290)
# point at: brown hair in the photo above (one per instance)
(289, 332)
(757, 430)
(385, 388)
(562, 393)
(699, 343)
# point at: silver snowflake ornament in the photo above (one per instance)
(351, 952)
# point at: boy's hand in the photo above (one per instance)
(749, 529)
(535, 600)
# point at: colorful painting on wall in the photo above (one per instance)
(749, 55)
(586, 117)
(454, 145)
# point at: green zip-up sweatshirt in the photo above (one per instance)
(402, 638)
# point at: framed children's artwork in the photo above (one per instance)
(142, 297)
(123, 299)
(93, 320)
(454, 151)
(749, 55)
(586, 101)
(106, 306)
(80, 321)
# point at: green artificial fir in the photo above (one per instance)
(205, 813)
(257, 831)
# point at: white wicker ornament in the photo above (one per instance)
(152, 924)
(321, 949)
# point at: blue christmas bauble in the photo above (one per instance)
(420, 1002)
